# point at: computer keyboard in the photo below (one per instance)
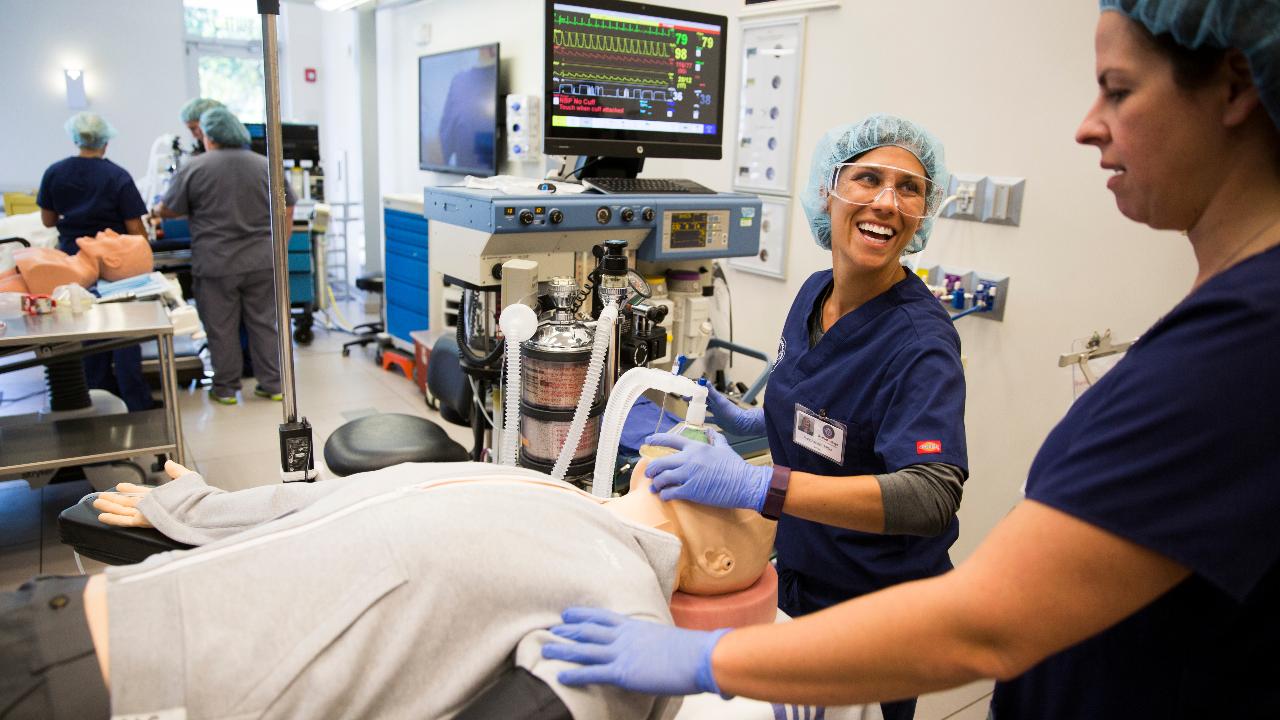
(645, 186)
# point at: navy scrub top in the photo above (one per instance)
(90, 195)
(889, 372)
(1175, 449)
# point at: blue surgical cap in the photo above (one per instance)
(224, 128)
(1250, 26)
(89, 130)
(843, 143)
(195, 107)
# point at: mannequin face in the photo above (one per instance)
(44, 269)
(722, 550)
(117, 256)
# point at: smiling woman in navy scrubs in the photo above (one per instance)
(865, 407)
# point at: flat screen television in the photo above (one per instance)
(633, 80)
(458, 111)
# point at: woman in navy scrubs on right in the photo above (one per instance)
(1140, 577)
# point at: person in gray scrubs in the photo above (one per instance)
(224, 194)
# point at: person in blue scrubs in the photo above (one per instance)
(865, 408)
(83, 195)
(87, 193)
(1140, 577)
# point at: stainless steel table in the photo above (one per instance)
(36, 447)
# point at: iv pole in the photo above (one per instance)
(297, 459)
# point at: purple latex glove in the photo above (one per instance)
(709, 474)
(636, 655)
(741, 421)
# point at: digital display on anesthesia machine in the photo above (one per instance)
(688, 230)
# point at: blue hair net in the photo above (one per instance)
(195, 107)
(1250, 26)
(224, 128)
(89, 130)
(842, 143)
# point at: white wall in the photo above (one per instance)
(454, 24)
(301, 28)
(132, 53)
(1003, 83)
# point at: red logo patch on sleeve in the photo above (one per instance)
(928, 447)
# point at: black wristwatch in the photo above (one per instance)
(777, 493)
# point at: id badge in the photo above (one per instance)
(819, 434)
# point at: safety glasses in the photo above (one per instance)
(864, 183)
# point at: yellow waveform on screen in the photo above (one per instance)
(610, 43)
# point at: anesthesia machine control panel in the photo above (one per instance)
(669, 227)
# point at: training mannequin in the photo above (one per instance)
(108, 256)
(301, 584)
(118, 256)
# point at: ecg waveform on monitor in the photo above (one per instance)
(633, 67)
(612, 43)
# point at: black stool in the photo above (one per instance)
(371, 332)
(376, 441)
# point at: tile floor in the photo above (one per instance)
(233, 446)
(236, 447)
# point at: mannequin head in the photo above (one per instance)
(117, 256)
(722, 550)
(44, 269)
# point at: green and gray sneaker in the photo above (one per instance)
(268, 395)
(222, 399)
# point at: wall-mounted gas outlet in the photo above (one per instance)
(1002, 201)
(996, 200)
(995, 290)
(968, 193)
(961, 290)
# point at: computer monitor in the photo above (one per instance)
(632, 80)
(298, 141)
(458, 111)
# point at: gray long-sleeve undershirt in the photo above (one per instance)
(918, 499)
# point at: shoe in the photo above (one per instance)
(222, 399)
(270, 396)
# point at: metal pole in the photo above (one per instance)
(296, 456)
(280, 224)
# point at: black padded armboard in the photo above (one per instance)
(79, 527)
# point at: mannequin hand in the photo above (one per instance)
(120, 509)
(174, 470)
(737, 420)
(709, 474)
(633, 654)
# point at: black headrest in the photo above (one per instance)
(447, 383)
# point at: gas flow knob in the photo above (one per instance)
(555, 216)
(603, 215)
(627, 215)
(647, 214)
(526, 217)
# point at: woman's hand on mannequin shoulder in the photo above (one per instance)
(709, 474)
